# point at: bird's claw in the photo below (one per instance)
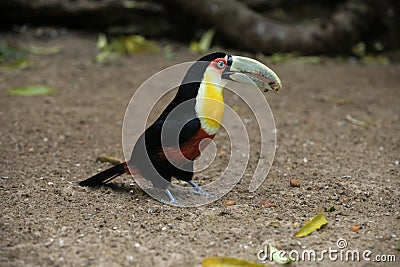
(171, 202)
(172, 199)
(203, 193)
(198, 190)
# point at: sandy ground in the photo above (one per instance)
(50, 143)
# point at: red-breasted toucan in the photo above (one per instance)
(170, 145)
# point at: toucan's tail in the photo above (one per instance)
(106, 175)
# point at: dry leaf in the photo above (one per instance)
(334, 100)
(359, 122)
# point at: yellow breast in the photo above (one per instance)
(210, 102)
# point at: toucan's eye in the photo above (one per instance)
(221, 64)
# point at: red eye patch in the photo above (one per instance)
(219, 63)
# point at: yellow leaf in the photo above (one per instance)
(205, 40)
(102, 41)
(194, 46)
(316, 223)
(229, 262)
(204, 44)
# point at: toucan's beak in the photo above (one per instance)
(248, 70)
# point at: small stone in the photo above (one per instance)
(31, 150)
(275, 224)
(294, 182)
(268, 204)
(230, 202)
(355, 228)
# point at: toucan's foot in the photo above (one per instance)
(172, 199)
(198, 190)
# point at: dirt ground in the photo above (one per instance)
(50, 143)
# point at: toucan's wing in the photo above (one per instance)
(171, 132)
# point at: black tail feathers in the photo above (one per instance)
(105, 176)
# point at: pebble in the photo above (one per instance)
(230, 202)
(294, 182)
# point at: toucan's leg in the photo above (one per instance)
(199, 190)
(171, 197)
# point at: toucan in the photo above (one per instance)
(169, 146)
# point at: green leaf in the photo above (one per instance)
(316, 223)
(124, 45)
(276, 257)
(18, 64)
(9, 53)
(44, 50)
(289, 58)
(359, 49)
(378, 60)
(13, 57)
(229, 262)
(103, 55)
(31, 90)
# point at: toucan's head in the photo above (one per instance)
(242, 70)
(206, 78)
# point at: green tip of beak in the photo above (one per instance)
(248, 70)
